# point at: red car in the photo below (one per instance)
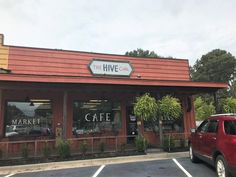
(214, 142)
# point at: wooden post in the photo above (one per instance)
(160, 132)
(35, 148)
(216, 102)
(64, 124)
(116, 144)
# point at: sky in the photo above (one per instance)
(185, 29)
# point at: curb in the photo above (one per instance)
(88, 163)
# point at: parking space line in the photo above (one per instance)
(182, 168)
(9, 175)
(98, 171)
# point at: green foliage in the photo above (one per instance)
(229, 105)
(25, 152)
(183, 143)
(168, 143)
(232, 89)
(141, 144)
(102, 147)
(216, 66)
(203, 109)
(123, 147)
(63, 149)
(46, 151)
(84, 147)
(169, 108)
(142, 53)
(145, 107)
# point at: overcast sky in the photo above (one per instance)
(178, 28)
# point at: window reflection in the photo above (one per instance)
(96, 116)
(28, 118)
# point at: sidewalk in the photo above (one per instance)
(91, 162)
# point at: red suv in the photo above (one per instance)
(214, 142)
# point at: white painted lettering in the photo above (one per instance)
(14, 122)
(20, 122)
(108, 117)
(95, 118)
(87, 117)
(101, 117)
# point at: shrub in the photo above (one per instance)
(46, 150)
(183, 143)
(84, 147)
(102, 147)
(141, 144)
(168, 143)
(25, 152)
(63, 149)
(123, 147)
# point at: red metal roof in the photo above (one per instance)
(68, 63)
(58, 66)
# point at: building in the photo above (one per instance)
(58, 93)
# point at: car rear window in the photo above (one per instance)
(230, 127)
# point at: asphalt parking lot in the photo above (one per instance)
(179, 167)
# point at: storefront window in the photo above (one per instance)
(96, 116)
(170, 125)
(32, 118)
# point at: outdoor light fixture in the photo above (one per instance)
(31, 103)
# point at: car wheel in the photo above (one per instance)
(193, 158)
(221, 167)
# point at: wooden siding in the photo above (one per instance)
(68, 63)
(4, 51)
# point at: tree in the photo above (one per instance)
(142, 53)
(203, 109)
(216, 66)
(232, 89)
(145, 108)
(229, 105)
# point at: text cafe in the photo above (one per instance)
(49, 93)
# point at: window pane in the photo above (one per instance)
(230, 127)
(203, 126)
(96, 116)
(213, 126)
(28, 118)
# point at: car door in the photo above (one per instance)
(209, 139)
(197, 142)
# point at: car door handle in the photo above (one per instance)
(214, 138)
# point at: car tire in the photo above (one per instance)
(192, 156)
(221, 167)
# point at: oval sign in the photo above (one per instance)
(111, 68)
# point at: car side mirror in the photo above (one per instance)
(193, 130)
